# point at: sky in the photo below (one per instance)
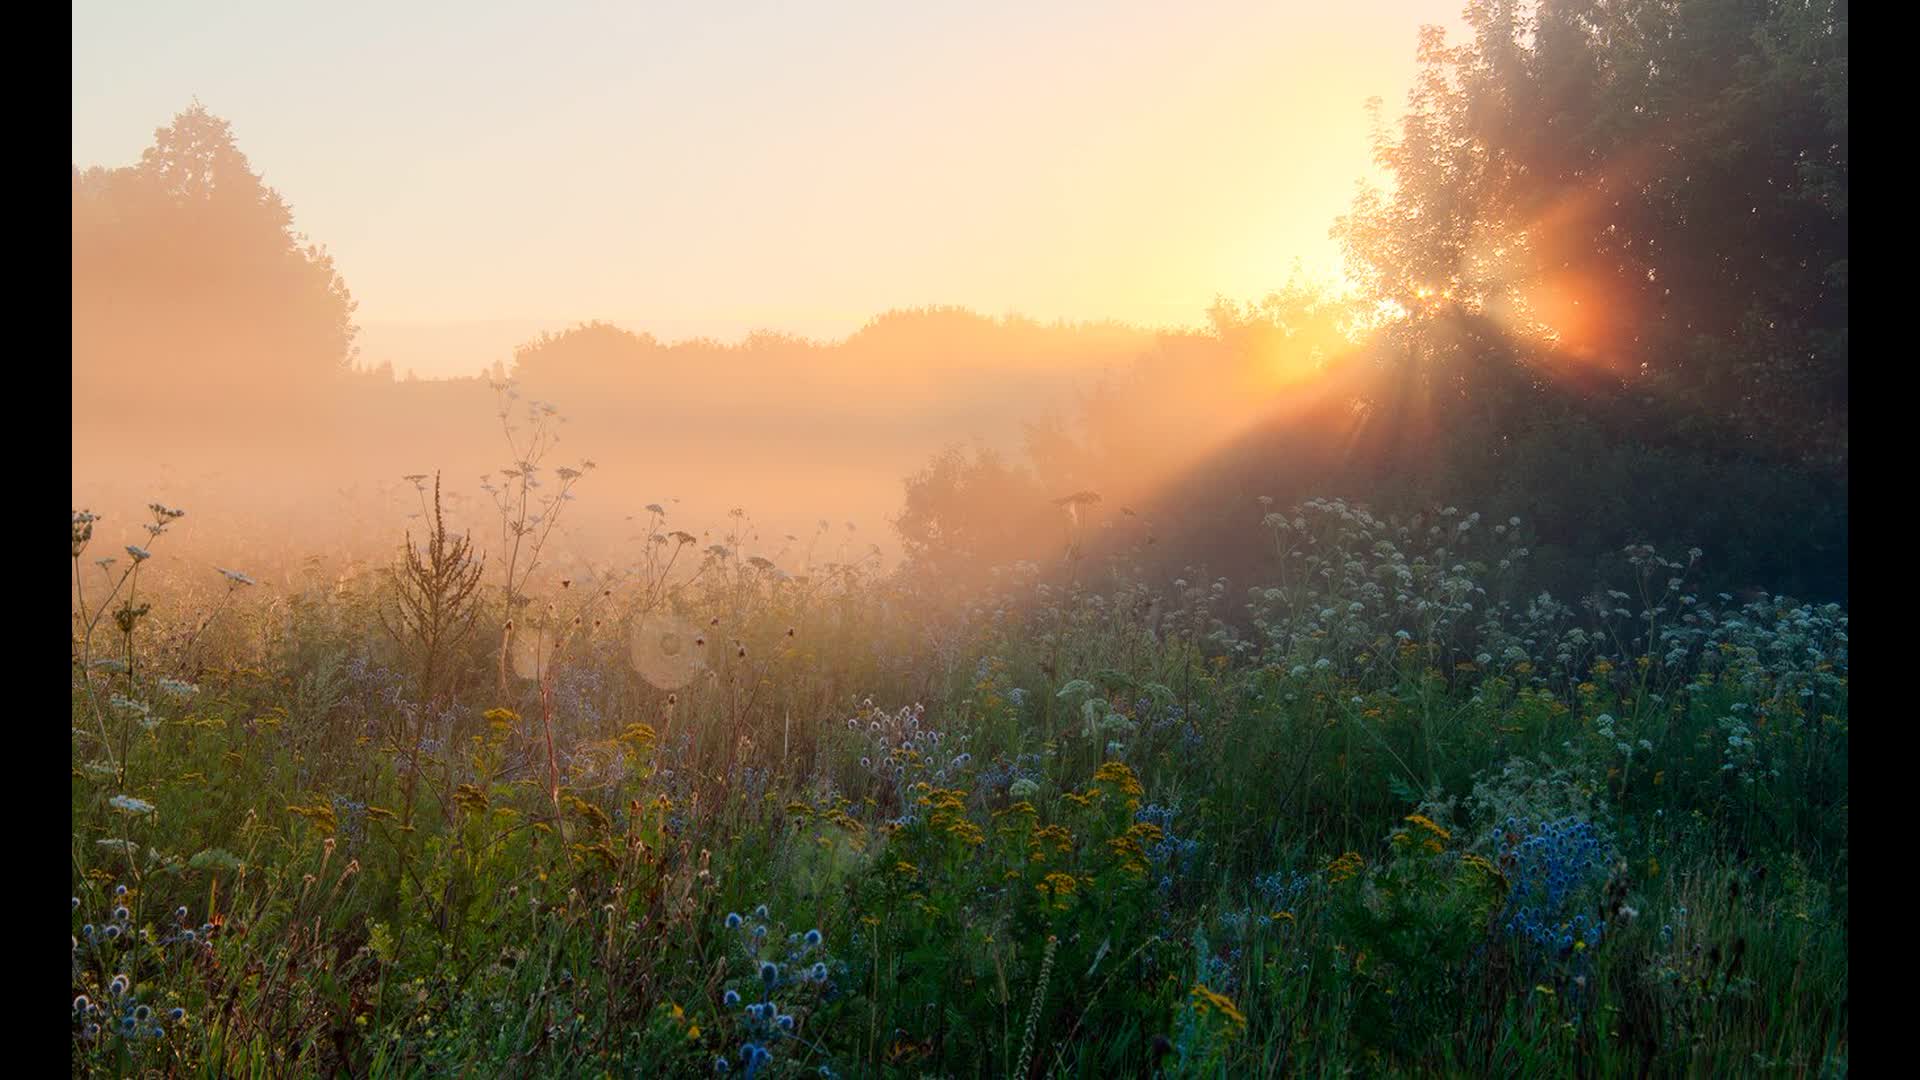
(481, 172)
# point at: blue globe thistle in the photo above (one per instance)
(87, 931)
(813, 939)
(733, 920)
(180, 913)
(119, 890)
(730, 999)
(141, 1012)
(159, 1033)
(113, 933)
(121, 914)
(760, 913)
(760, 931)
(76, 903)
(176, 1014)
(720, 1065)
(784, 1021)
(819, 972)
(80, 1003)
(769, 971)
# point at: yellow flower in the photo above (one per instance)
(1205, 1000)
(1058, 888)
(1345, 867)
(1117, 773)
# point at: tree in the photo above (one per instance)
(188, 274)
(1646, 191)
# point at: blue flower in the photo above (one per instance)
(177, 1014)
(813, 939)
(730, 999)
(760, 913)
(819, 972)
(769, 972)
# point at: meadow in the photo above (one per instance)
(468, 811)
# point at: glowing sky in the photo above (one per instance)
(792, 165)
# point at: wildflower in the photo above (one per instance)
(1205, 1000)
(813, 938)
(769, 971)
(733, 920)
(132, 806)
(730, 999)
(760, 913)
(139, 554)
(818, 972)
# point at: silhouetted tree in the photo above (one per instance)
(1656, 189)
(187, 273)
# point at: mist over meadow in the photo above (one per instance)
(1436, 666)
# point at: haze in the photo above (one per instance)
(1087, 176)
(481, 174)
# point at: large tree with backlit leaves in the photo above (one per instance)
(1638, 195)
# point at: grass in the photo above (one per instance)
(1384, 812)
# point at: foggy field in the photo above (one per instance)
(1116, 654)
